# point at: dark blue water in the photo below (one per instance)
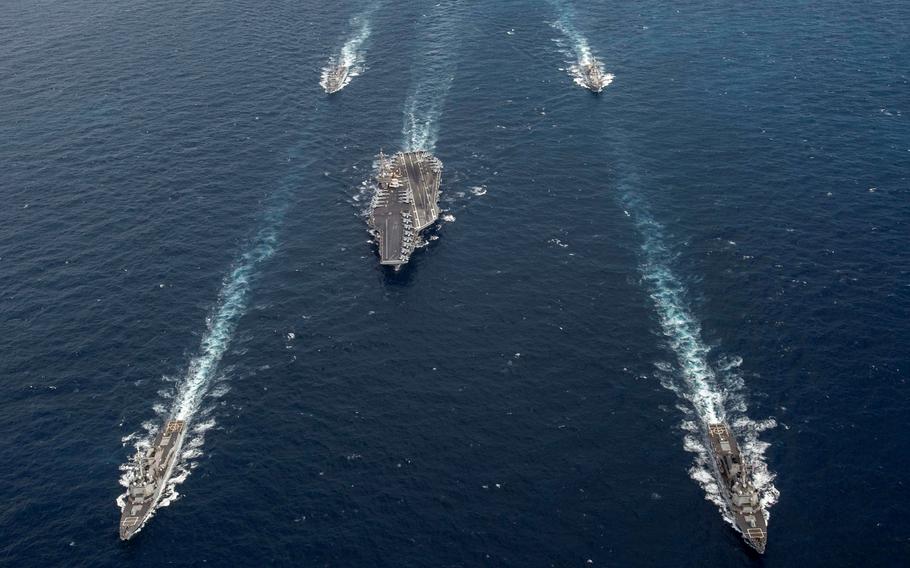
(723, 230)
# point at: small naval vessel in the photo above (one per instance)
(405, 202)
(151, 475)
(593, 77)
(335, 78)
(733, 478)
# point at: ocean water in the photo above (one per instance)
(721, 233)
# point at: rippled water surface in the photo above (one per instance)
(721, 233)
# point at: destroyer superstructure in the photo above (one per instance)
(335, 78)
(736, 486)
(153, 469)
(405, 202)
(593, 77)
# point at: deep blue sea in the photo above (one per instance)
(721, 234)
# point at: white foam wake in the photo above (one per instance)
(232, 302)
(352, 54)
(421, 117)
(438, 42)
(713, 390)
(579, 50)
(190, 391)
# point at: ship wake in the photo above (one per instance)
(192, 396)
(712, 387)
(352, 54)
(438, 46)
(576, 47)
(421, 117)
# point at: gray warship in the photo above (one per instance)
(405, 202)
(335, 78)
(593, 77)
(150, 477)
(733, 478)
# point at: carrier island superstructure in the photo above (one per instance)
(405, 202)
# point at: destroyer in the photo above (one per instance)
(335, 78)
(593, 77)
(736, 487)
(151, 475)
(404, 203)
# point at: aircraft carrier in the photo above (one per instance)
(733, 478)
(151, 475)
(405, 202)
